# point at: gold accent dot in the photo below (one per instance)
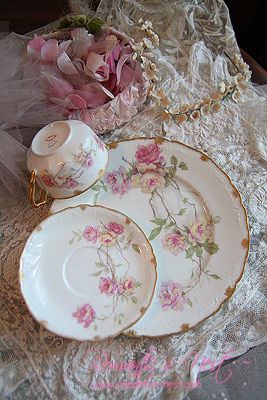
(229, 291)
(245, 243)
(185, 327)
(159, 140)
(204, 157)
(113, 145)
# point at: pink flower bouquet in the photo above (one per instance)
(91, 77)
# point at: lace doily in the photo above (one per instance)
(37, 364)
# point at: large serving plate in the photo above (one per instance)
(87, 273)
(194, 218)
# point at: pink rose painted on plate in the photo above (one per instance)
(115, 227)
(85, 315)
(118, 181)
(170, 296)
(199, 231)
(174, 242)
(151, 181)
(148, 154)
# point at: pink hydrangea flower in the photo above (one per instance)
(151, 181)
(47, 180)
(107, 286)
(90, 234)
(148, 154)
(118, 181)
(174, 243)
(89, 161)
(115, 227)
(199, 231)
(71, 183)
(85, 315)
(170, 296)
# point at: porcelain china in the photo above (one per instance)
(66, 158)
(194, 218)
(87, 273)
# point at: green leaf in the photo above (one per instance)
(199, 251)
(169, 225)
(130, 237)
(158, 221)
(172, 172)
(96, 273)
(216, 219)
(182, 211)
(189, 302)
(189, 252)
(126, 246)
(211, 247)
(71, 241)
(183, 166)
(118, 265)
(94, 25)
(95, 197)
(96, 188)
(134, 299)
(136, 247)
(174, 160)
(100, 264)
(155, 232)
(214, 276)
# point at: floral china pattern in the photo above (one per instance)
(69, 173)
(119, 287)
(151, 173)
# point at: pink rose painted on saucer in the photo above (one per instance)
(174, 242)
(85, 315)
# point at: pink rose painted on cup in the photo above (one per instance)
(88, 161)
(174, 243)
(151, 181)
(118, 181)
(47, 180)
(85, 315)
(170, 296)
(71, 183)
(107, 286)
(115, 227)
(200, 231)
(90, 234)
(148, 154)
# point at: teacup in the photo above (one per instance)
(65, 158)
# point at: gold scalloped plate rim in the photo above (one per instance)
(21, 274)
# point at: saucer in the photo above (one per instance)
(193, 216)
(87, 273)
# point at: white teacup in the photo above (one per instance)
(65, 158)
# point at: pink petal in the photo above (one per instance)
(111, 42)
(58, 87)
(94, 61)
(75, 102)
(120, 64)
(34, 47)
(49, 51)
(63, 46)
(65, 65)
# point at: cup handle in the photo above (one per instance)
(43, 196)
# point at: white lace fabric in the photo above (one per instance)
(36, 364)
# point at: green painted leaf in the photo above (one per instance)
(71, 241)
(182, 211)
(100, 264)
(96, 188)
(214, 276)
(216, 219)
(130, 237)
(189, 252)
(172, 172)
(185, 200)
(158, 221)
(134, 299)
(155, 232)
(189, 302)
(96, 273)
(169, 225)
(126, 246)
(183, 166)
(211, 247)
(136, 247)
(174, 160)
(199, 251)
